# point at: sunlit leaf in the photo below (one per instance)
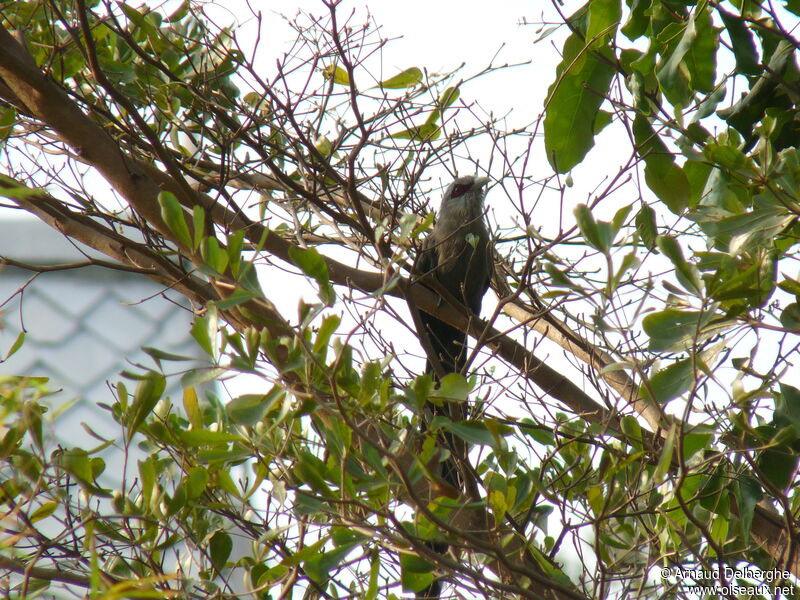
(311, 262)
(405, 79)
(174, 217)
(336, 74)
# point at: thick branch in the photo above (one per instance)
(16, 566)
(48, 103)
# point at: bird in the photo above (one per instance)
(456, 259)
(457, 256)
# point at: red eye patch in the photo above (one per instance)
(460, 190)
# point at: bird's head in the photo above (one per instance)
(465, 196)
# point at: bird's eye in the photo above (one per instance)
(460, 190)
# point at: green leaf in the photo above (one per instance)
(313, 265)
(158, 355)
(448, 97)
(601, 121)
(619, 219)
(433, 118)
(173, 215)
(204, 330)
(405, 79)
(743, 282)
(700, 60)
(44, 511)
(790, 285)
(687, 274)
(646, 226)
(179, 13)
(752, 108)
(560, 278)
(672, 74)
(214, 256)
(472, 432)
(751, 231)
(192, 407)
(336, 74)
(199, 224)
(604, 16)
(206, 437)
(15, 346)
(374, 570)
(713, 494)
(249, 409)
(748, 495)
(629, 261)
(202, 375)
(196, 482)
(220, 546)
(726, 155)
(239, 296)
(669, 383)
(790, 317)
(423, 133)
(329, 326)
(596, 498)
(454, 387)
(324, 146)
(674, 330)
(665, 460)
(319, 566)
(416, 573)
(697, 174)
(539, 434)
(147, 474)
(148, 393)
(785, 436)
(8, 116)
(13, 189)
(638, 20)
(224, 479)
(695, 441)
(778, 465)
(311, 471)
(632, 430)
(235, 244)
(743, 46)
(666, 179)
(583, 79)
(78, 463)
(787, 405)
(597, 234)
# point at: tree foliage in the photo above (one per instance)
(660, 453)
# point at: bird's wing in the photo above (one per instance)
(426, 261)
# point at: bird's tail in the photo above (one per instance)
(450, 475)
(449, 347)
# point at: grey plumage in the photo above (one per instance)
(457, 255)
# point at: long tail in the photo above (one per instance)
(449, 346)
(434, 590)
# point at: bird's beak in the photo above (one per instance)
(480, 182)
